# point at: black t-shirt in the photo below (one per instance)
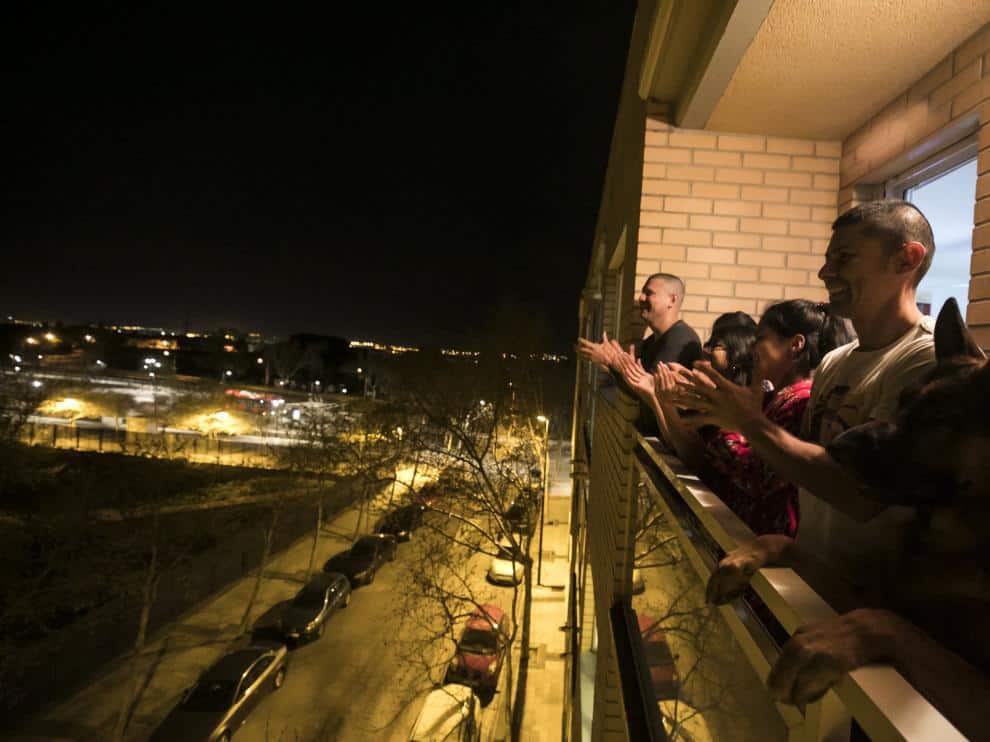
(680, 344)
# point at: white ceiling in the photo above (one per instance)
(819, 69)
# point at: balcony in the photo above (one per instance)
(671, 667)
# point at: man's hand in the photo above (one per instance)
(731, 578)
(634, 374)
(601, 353)
(817, 656)
(720, 401)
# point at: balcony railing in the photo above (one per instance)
(882, 703)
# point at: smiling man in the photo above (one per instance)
(671, 340)
(878, 254)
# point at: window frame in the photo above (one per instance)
(941, 163)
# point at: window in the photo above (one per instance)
(944, 188)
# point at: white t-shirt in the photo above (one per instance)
(852, 387)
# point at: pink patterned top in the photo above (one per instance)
(744, 482)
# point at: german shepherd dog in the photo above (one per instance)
(936, 457)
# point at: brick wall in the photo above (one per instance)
(743, 219)
(948, 104)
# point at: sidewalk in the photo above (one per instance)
(542, 719)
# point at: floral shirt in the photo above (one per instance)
(744, 482)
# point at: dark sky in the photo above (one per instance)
(390, 173)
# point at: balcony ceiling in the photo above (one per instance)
(819, 70)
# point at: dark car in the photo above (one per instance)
(306, 615)
(481, 650)
(361, 562)
(220, 701)
(402, 521)
(522, 515)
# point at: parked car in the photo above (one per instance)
(660, 660)
(429, 496)
(524, 511)
(481, 649)
(682, 722)
(451, 713)
(223, 697)
(402, 521)
(361, 562)
(507, 567)
(306, 615)
(638, 581)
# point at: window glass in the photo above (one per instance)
(947, 201)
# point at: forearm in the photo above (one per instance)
(949, 682)
(808, 465)
(684, 439)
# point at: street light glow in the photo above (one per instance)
(261, 360)
(229, 373)
(542, 419)
(36, 384)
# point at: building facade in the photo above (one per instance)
(744, 129)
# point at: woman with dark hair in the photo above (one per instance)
(791, 339)
(730, 346)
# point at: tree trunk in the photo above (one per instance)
(316, 535)
(266, 552)
(147, 600)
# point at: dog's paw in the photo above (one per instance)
(817, 656)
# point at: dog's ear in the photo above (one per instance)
(952, 338)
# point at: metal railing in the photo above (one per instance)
(882, 703)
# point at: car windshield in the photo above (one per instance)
(212, 695)
(311, 598)
(477, 641)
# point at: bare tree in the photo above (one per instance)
(476, 422)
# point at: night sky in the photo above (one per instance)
(387, 173)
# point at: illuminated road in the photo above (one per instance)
(353, 683)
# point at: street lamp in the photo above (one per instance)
(543, 505)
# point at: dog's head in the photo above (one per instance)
(938, 448)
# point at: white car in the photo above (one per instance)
(507, 567)
(450, 714)
(683, 723)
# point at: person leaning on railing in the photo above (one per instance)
(878, 253)
(791, 339)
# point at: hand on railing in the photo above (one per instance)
(731, 578)
(737, 568)
(818, 655)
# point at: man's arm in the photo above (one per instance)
(809, 465)
(817, 656)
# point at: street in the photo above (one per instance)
(356, 682)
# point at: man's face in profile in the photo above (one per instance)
(858, 272)
(654, 303)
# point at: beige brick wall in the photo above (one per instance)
(946, 105)
(978, 312)
(742, 219)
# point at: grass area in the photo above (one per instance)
(35, 479)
